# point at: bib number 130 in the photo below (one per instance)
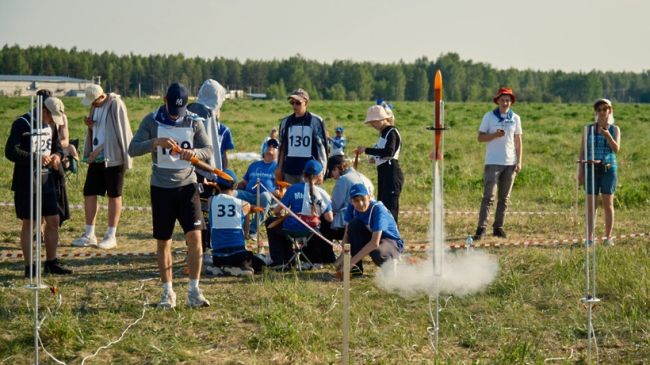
(300, 140)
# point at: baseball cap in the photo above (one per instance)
(176, 98)
(339, 129)
(56, 108)
(300, 95)
(92, 93)
(273, 143)
(504, 91)
(358, 190)
(224, 182)
(313, 167)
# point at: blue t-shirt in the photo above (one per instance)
(377, 218)
(264, 171)
(298, 200)
(227, 142)
(226, 221)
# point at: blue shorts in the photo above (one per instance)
(603, 184)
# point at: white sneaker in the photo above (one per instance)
(609, 242)
(213, 270)
(167, 300)
(107, 243)
(238, 271)
(195, 299)
(85, 241)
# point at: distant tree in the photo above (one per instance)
(337, 92)
(277, 91)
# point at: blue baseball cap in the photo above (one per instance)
(358, 190)
(313, 167)
(176, 98)
(339, 129)
(224, 182)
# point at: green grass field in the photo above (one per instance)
(530, 314)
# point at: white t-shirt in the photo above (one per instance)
(501, 151)
(99, 128)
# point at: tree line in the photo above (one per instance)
(464, 80)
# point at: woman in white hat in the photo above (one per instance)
(602, 141)
(384, 154)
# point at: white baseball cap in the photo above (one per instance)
(92, 93)
(56, 108)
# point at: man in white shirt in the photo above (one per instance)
(501, 130)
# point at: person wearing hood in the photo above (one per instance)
(105, 150)
(174, 192)
(602, 140)
(208, 106)
(19, 150)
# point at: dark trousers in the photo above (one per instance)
(319, 251)
(279, 243)
(389, 186)
(359, 236)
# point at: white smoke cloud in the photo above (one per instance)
(463, 273)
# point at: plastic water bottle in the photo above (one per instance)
(469, 242)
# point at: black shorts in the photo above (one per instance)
(170, 204)
(101, 180)
(48, 204)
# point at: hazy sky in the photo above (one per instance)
(570, 35)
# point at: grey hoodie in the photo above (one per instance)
(118, 134)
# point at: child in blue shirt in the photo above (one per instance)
(370, 230)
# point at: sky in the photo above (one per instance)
(567, 35)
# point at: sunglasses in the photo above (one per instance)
(602, 109)
(295, 102)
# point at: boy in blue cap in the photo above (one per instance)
(370, 230)
(338, 143)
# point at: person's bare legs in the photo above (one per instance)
(165, 260)
(114, 211)
(591, 216)
(608, 208)
(194, 253)
(90, 209)
(51, 236)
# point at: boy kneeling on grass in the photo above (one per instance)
(227, 241)
(370, 230)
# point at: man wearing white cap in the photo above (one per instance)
(19, 150)
(303, 137)
(105, 149)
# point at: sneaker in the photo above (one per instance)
(356, 272)
(266, 259)
(499, 232)
(55, 268)
(207, 259)
(317, 266)
(609, 242)
(589, 243)
(85, 241)
(480, 231)
(167, 299)
(195, 299)
(213, 271)
(238, 271)
(107, 243)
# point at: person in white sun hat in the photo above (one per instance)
(385, 154)
(603, 143)
(105, 150)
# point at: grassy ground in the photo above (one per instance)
(529, 314)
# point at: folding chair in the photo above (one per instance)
(299, 240)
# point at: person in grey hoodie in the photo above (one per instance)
(173, 136)
(105, 150)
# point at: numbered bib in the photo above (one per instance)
(226, 213)
(300, 140)
(45, 143)
(184, 137)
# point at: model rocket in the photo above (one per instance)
(438, 126)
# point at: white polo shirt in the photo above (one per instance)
(501, 151)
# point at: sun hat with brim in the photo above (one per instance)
(56, 109)
(300, 95)
(602, 101)
(504, 91)
(92, 93)
(376, 112)
(358, 190)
